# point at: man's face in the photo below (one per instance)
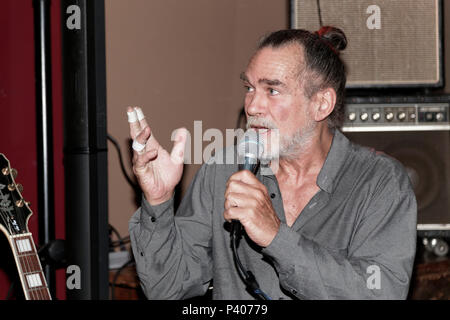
(275, 98)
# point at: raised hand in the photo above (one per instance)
(157, 171)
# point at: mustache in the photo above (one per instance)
(260, 122)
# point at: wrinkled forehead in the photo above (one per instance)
(284, 63)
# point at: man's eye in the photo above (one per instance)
(273, 92)
(248, 89)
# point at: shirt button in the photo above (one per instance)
(153, 219)
(273, 195)
(142, 254)
(294, 291)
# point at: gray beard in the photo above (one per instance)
(293, 147)
(289, 147)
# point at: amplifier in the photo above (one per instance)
(415, 131)
(390, 43)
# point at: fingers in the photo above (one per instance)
(141, 160)
(235, 213)
(141, 140)
(243, 196)
(137, 121)
(138, 124)
(244, 182)
(234, 199)
(247, 177)
(236, 186)
(135, 126)
(141, 117)
(138, 156)
(177, 154)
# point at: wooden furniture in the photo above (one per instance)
(431, 281)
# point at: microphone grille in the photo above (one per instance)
(250, 145)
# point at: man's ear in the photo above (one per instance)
(324, 102)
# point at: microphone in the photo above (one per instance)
(249, 151)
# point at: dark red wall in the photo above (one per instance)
(17, 114)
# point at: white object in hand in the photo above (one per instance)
(139, 113)
(132, 116)
(138, 146)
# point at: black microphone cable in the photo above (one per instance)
(246, 275)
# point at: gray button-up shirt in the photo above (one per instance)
(355, 239)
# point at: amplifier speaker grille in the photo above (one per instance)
(390, 43)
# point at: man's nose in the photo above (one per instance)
(256, 105)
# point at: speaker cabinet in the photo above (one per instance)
(416, 132)
(390, 43)
(85, 152)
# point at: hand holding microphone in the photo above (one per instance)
(247, 199)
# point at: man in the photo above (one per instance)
(333, 221)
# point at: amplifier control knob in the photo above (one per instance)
(389, 116)
(364, 116)
(376, 116)
(352, 116)
(439, 116)
(401, 116)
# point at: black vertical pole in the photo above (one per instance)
(44, 135)
(85, 145)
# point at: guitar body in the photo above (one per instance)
(14, 216)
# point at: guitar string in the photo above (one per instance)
(44, 287)
(22, 265)
(29, 271)
(40, 291)
(27, 261)
(31, 265)
(5, 219)
(24, 262)
(40, 273)
(35, 265)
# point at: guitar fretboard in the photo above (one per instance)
(29, 266)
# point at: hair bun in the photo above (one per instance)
(334, 36)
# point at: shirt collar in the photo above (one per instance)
(332, 167)
(336, 158)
